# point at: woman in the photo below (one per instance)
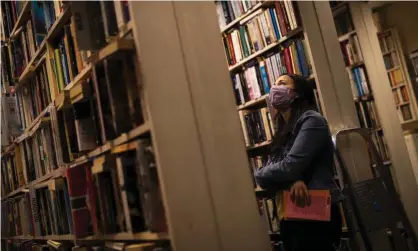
(301, 158)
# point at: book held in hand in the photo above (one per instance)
(319, 209)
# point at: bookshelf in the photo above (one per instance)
(60, 151)
(23, 182)
(357, 73)
(401, 84)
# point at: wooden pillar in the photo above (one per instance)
(333, 84)
(403, 173)
(202, 164)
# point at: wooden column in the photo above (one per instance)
(204, 172)
(403, 173)
(333, 84)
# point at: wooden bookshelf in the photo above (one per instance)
(248, 13)
(23, 16)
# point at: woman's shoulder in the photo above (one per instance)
(313, 117)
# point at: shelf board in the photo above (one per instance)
(388, 52)
(267, 48)
(253, 102)
(23, 16)
(81, 76)
(53, 174)
(355, 65)
(259, 145)
(393, 69)
(142, 236)
(346, 35)
(402, 104)
(398, 86)
(368, 97)
(112, 47)
(410, 125)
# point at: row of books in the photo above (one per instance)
(10, 13)
(32, 158)
(257, 31)
(351, 50)
(257, 126)
(107, 110)
(406, 113)
(386, 42)
(260, 75)
(391, 60)
(268, 210)
(359, 81)
(31, 34)
(228, 11)
(381, 145)
(401, 95)
(65, 58)
(50, 245)
(33, 97)
(396, 77)
(118, 193)
(367, 114)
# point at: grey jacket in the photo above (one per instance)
(308, 155)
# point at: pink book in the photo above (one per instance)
(319, 209)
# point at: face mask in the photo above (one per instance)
(281, 96)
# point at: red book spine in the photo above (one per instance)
(287, 60)
(92, 192)
(282, 23)
(284, 14)
(77, 190)
(231, 49)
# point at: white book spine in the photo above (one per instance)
(275, 69)
(254, 82)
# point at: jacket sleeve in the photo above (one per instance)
(311, 137)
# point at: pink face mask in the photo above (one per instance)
(281, 96)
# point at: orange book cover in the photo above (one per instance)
(319, 209)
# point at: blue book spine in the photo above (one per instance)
(68, 209)
(38, 18)
(358, 82)
(303, 63)
(274, 21)
(64, 64)
(265, 78)
(47, 15)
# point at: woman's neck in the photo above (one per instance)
(286, 114)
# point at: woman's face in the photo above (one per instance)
(286, 81)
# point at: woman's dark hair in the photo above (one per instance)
(304, 101)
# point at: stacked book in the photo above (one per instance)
(228, 11)
(259, 75)
(259, 30)
(359, 82)
(121, 191)
(34, 96)
(367, 113)
(257, 126)
(351, 51)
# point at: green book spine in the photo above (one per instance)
(243, 42)
(59, 69)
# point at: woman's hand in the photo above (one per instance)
(299, 194)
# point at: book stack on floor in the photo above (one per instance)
(77, 171)
(357, 74)
(397, 71)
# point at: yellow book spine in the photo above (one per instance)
(59, 69)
